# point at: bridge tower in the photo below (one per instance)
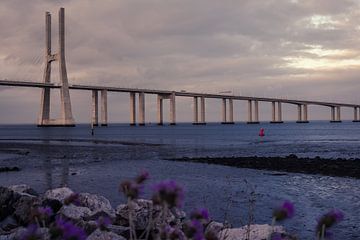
(66, 119)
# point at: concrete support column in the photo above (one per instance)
(299, 113)
(172, 109)
(141, 109)
(332, 114)
(249, 111)
(279, 113)
(356, 116)
(132, 109)
(196, 111)
(231, 112)
(224, 120)
(202, 110)
(256, 117)
(104, 112)
(305, 113)
(338, 114)
(95, 108)
(273, 112)
(160, 111)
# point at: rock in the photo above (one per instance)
(214, 227)
(23, 189)
(141, 214)
(53, 203)
(257, 232)
(75, 212)
(103, 235)
(23, 208)
(8, 224)
(97, 204)
(7, 200)
(119, 230)
(59, 194)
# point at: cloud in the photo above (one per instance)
(275, 48)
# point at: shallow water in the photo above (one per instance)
(98, 167)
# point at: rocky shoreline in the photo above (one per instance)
(18, 203)
(328, 167)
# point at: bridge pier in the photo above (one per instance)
(160, 110)
(335, 114)
(202, 111)
(141, 109)
(356, 114)
(196, 111)
(132, 109)
(250, 112)
(302, 113)
(279, 113)
(104, 111)
(95, 108)
(231, 112)
(224, 114)
(172, 109)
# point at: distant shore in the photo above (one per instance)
(291, 163)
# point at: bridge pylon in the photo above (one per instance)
(66, 119)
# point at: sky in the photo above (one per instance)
(297, 49)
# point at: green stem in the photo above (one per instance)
(323, 232)
(272, 228)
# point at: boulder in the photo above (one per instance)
(75, 213)
(59, 194)
(214, 227)
(23, 189)
(23, 207)
(99, 205)
(7, 200)
(141, 214)
(8, 224)
(104, 235)
(257, 232)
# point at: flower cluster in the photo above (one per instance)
(201, 214)
(31, 233)
(170, 233)
(327, 221)
(66, 230)
(168, 192)
(285, 211)
(194, 230)
(132, 189)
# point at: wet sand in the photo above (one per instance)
(327, 167)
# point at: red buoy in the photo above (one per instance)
(262, 132)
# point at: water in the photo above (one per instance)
(98, 163)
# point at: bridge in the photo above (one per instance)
(199, 99)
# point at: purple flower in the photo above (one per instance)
(46, 212)
(31, 233)
(132, 189)
(67, 230)
(103, 223)
(285, 211)
(171, 233)
(328, 220)
(168, 192)
(200, 214)
(194, 230)
(143, 176)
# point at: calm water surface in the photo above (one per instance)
(98, 163)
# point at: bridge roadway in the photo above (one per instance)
(177, 93)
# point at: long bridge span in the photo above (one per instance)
(199, 100)
(137, 108)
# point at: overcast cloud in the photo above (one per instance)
(278, 48)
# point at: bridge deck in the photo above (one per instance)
(166, 92)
